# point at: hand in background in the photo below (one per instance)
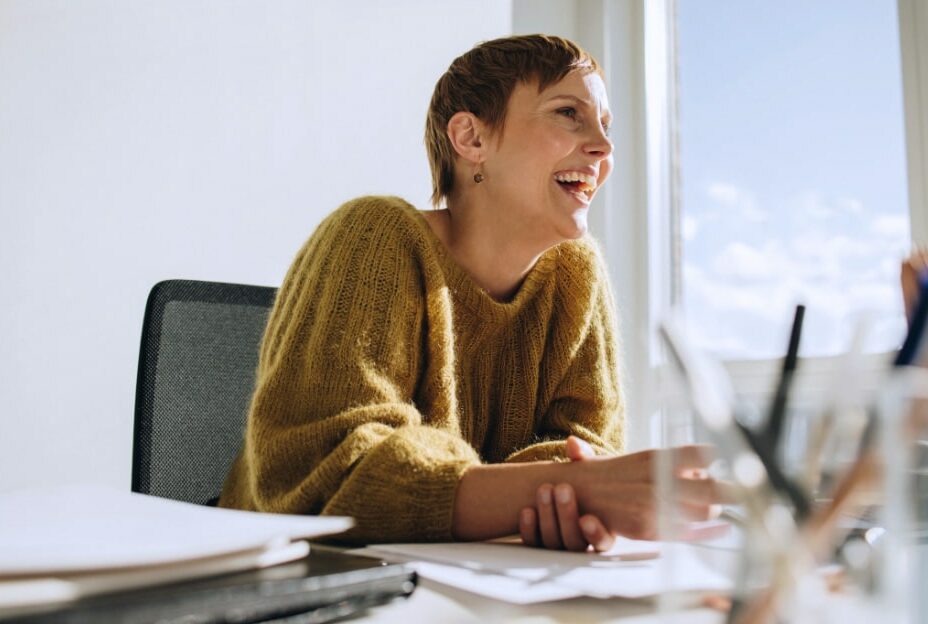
(912, 267)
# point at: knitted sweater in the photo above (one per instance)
(385, 373)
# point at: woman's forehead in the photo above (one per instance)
(585, 88)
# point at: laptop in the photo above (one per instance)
(327, 585)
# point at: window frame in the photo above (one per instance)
(913, 43)
(632, 39)
(635, 217)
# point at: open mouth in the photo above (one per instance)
(580, 185)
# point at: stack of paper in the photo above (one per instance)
(62, 543)
(515, 573)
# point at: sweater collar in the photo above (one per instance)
(468, 292)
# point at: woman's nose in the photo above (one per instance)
(599, 145)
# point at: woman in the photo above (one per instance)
(429, 372)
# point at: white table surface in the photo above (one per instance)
(433, 602)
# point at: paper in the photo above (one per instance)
(80, 528)
(522, 575)
(62, 543)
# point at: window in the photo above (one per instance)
(792, 173)
(759, 163)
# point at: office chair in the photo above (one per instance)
(196, 375)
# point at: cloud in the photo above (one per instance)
(723, 193)
(743, 262)
(733, 320)
(850, 205)
(724, 295)
(821, 207)
(820, 246)
(894, 227)
(741, 202)
(821, 256)
(740, 301)
(745, 272)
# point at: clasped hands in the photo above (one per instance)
(616, 495)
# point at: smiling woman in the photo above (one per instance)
(544, 166)
(429, 373)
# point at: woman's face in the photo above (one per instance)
(552, 156)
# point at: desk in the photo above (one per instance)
(432, 602)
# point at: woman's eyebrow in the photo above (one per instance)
(585, 102)
(574, 98)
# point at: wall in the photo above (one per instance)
(141, 141)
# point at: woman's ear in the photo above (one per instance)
(467, 135)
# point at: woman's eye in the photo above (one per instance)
(568, 111)
(605, 128)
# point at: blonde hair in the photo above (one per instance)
(481, 80)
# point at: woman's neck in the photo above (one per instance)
(486, 246)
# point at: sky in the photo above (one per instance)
(793, 177)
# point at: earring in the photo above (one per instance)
(478, 177)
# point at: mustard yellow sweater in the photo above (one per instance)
(385, 372)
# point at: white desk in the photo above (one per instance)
(432, 602)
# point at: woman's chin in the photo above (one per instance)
(576, 225)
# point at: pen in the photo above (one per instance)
(780, 482)
(771, 436)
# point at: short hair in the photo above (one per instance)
(481, 81)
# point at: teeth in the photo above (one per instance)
(588, 181)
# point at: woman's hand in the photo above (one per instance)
(618, 496)
(555, 523)
(623, 492)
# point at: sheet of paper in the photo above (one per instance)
(78, 528)
(515, 573)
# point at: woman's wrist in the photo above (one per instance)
(490, 497)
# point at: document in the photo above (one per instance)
(61, 543)
(517, 574)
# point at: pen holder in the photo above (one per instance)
(768, 557)
(783, 533)
(690, 546)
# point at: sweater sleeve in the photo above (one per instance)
(587, 401)
(332, 427)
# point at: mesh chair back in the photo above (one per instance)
(196, 376)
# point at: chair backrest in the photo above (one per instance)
(196, 375)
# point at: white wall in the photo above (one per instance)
(141, 141)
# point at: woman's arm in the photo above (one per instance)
(489, 497)
(620, 491)
(334, 427)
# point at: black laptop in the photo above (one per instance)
(327, 585)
